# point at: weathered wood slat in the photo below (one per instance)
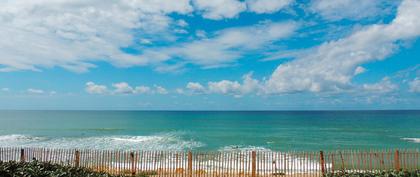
(234, 163)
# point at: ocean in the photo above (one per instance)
(211, 130)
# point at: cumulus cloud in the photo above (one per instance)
(161, 90)
(224, 86)
(195, 87)
(5, 89)
(249, 85)
(93, 88)
(349, 9)
(35, 91)
(122, 88)
(267, 6)
(332, 65)
(414, 85)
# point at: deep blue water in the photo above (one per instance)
(203, 130)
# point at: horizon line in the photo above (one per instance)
(212, 110)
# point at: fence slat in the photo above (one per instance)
(397, 159)
(221, 164)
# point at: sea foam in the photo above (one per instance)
(164, 141)
(17, 138)
(413, 140)
(269, 161)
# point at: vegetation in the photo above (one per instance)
(389, 173)
(43, 169)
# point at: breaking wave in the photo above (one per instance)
(16, 138)
(166, 141)
(236, 155)
(413, 140)
(242, 148)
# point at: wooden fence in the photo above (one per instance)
(221, 164)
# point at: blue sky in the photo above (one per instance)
(210, 55)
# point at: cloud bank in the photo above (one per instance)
(75, 34)
(332, 65)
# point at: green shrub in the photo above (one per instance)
(43, 169)
(387, 173)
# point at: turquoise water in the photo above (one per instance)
(200, 130)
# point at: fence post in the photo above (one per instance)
(397, 159)
(133, 164)
(190, 170)
(342, 161)
(254, 163)
(322, 162)
(76, 158)
(22, 155)
(189, 163)
(332, 163)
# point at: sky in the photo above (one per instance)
(209, 55)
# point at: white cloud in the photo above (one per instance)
(180, 91)
(349, 9)
(160, 90)
(195, 87)
(267, 6)
(73, 33)
(224, 87)
(5, 89)
(248, 85)
(227, 45)
(414, 85)
(383, 86)
(182, 23)
(122, 88)
(142, 89)
(35, 91)
(359, 70)
(145, 41)
(125, 88)
(93, 88)
(219, 9)
(331, 66)
(201, 34)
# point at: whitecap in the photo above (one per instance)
(243, 148)
(137, 139)
(17, 139)
(413, 140)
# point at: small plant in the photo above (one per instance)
(44, 169)
(386, 173)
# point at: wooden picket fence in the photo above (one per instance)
(221, 164)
